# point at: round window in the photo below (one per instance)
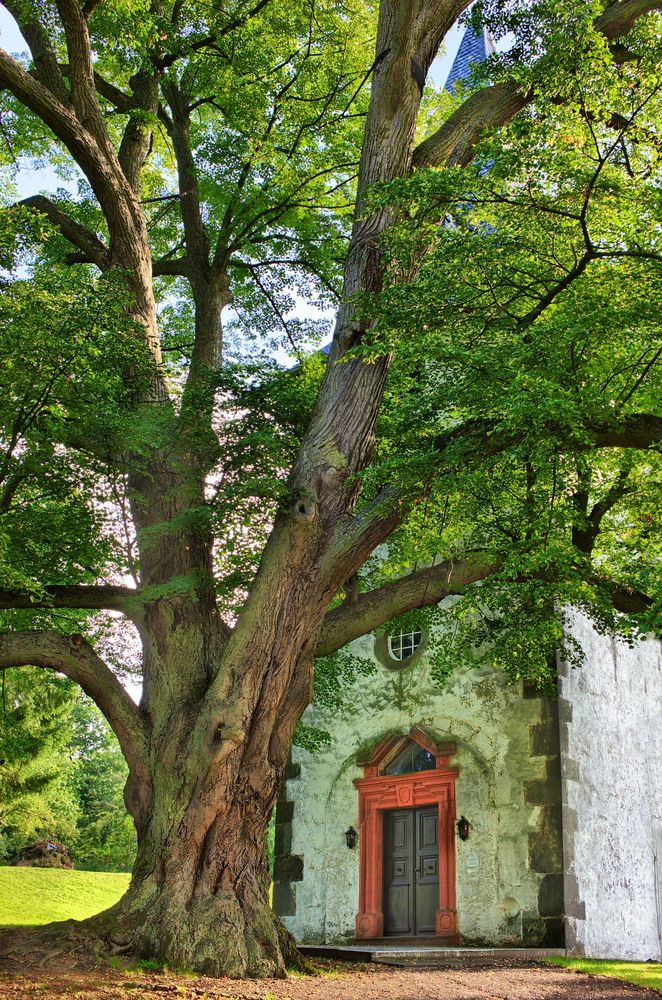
(401, 645)
(400, 649)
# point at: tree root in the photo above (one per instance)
(294, 960)
(117, 934)
(72, 940)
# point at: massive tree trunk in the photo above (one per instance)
(206, 906)
(201, 789)
(221, 721)
(199, 895)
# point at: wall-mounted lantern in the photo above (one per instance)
(350, 837)
(463, 828)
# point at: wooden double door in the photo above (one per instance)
(411, 871)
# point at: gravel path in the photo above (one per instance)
(339, 982)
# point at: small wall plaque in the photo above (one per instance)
(472, 862)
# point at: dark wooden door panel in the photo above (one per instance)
(427, 869)
(398, 871)
(400, 833)
(411, 871)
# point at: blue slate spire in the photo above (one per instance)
(472, 50)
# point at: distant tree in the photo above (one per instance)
(36, 797)
(479, 406)
(62, 773)
(105, 834)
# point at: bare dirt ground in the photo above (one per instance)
(338, 981)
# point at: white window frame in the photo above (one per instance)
(415, 643)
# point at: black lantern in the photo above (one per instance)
(463, 828)
(350, 837)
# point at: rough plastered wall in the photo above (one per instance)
(509, 872)
(611, 742)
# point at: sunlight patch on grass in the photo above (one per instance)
(640, 973)
(30, 896)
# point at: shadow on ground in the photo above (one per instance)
(336, 981)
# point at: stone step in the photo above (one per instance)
(437, 955)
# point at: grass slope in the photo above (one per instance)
(640, 973)
(31, 896)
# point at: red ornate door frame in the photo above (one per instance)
(380, 792)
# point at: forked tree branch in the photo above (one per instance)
(358, 536)
(364, 613)
(586, 531)
(92, 151)
(170, 58)
(422, 589)
(492, 107)
(74, 657)
(480, 439)
(120, 100)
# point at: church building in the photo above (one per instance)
(481, 813)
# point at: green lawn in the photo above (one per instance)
(40, 895)
(640, 973)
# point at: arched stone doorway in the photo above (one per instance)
(407, 839)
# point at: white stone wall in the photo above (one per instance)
(489, 721)
(611, 742)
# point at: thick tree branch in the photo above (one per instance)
(454, 142)
(358, 536)
(177, 267)
(208, 280)
(81, 69)
(366, 612)
(197, 242)
(492, 107)
(74, 657)
(636, 430)
(137, 138)
(89, 144)
(585, 533)
(89, 8)
(118, 98)
(11, 487)
(92, 248)
(46, 68)
(108, 598)
(435, 20)
(39, 99)
(482, 438)
(619, 18)
(625, 600)
(417, 590)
